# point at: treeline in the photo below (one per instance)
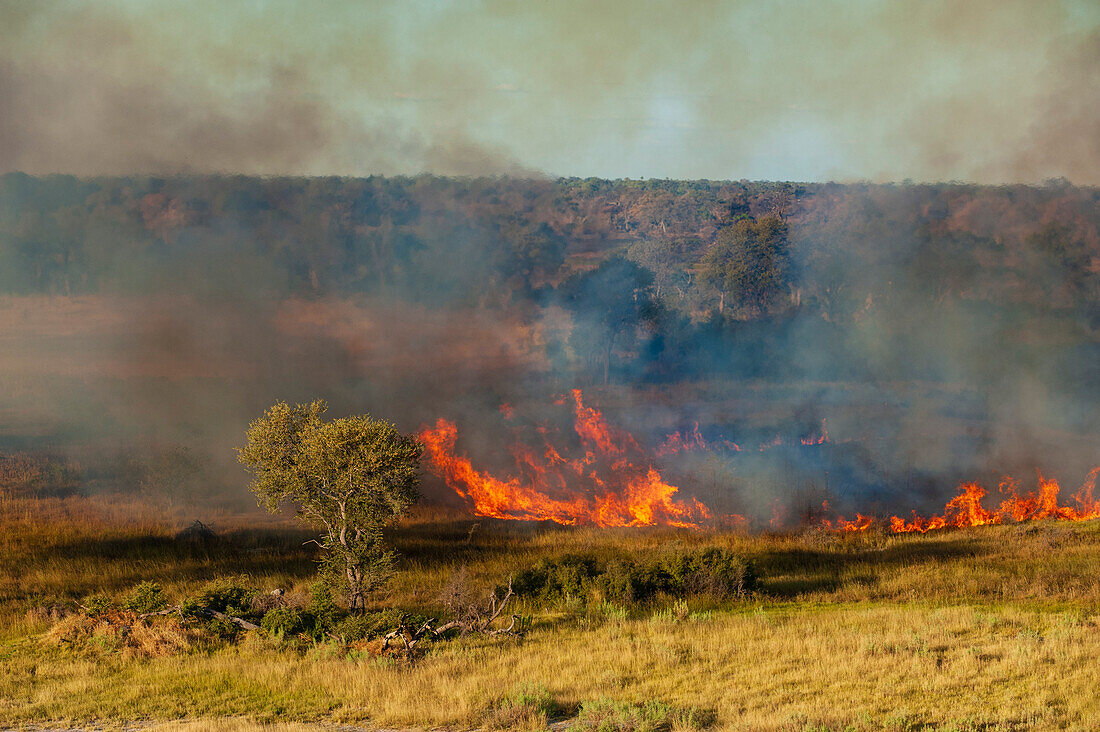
(661, 271)
(428, 237)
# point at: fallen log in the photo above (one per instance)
(239, 622)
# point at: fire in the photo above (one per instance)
(778, 441)
(611, 481)
(612, 484)
(966, 508)
(687, 442)
(860, 523)
(692, 441)
(819, 439)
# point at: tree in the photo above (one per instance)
(665, 259)
(748, 263)
(1063, 262)
(350, 477)
(613, 298)
(530, 252)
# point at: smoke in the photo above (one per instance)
(98, 100)
(994, 91)
(935, 333)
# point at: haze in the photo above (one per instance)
(993, 91)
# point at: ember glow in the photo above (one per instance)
(613, 483)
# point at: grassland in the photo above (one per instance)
(996, 628)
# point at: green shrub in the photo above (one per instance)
(556, 580)
(607, 715)
(284, 620)
(148, 597)
(97, 604)
(528, 706)
(367, 626)
(323, 611)
(627, 583)
(229, 595)
(711, 571)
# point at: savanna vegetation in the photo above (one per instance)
(966, 306)
(984, 629)
(720, 267)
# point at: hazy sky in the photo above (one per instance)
(984, 90)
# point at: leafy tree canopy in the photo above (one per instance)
(350, 477)
(749, 263)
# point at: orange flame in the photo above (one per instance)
(860, 523)
(611, 485)
(819, 439)
(677, 442)
(769, 445)
(966, 508)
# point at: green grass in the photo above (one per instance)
(994, 628)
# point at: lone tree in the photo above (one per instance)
(350, 477)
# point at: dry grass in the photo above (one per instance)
(123, 633)
(761, 669)
(235, 725)
(986, 629)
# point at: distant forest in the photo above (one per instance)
(662, 278)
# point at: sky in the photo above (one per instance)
(989, 91)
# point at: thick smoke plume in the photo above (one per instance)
(927, 335)
(992, 90)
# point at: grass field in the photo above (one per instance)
(996, 628)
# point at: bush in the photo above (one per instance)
(97, 604)
(285, 620)
(146, 598)
(229, 595)
(368, 626)
(711, 572)
(607, 715)
(556, 580)
(528, 706)
(323, 611)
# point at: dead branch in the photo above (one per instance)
(239, 622)
(510, 630)
(476, 619)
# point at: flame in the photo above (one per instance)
(818, 439)
(769, 445)
(860, 523)
(612, 484)
(966, 508)
(688, 442)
